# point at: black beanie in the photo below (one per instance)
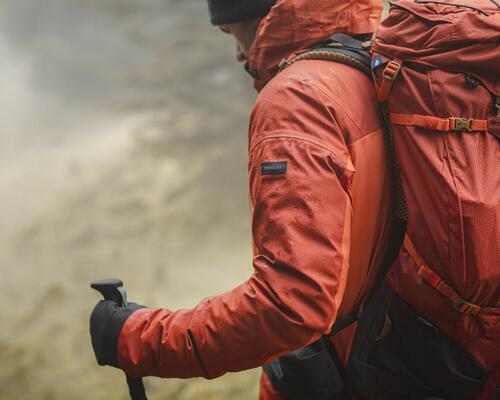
(231, 11)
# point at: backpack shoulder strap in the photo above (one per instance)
(345, 49)
(339, 48)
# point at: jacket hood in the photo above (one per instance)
(292, 25)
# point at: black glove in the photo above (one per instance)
(106, 323)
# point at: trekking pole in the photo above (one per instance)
(112, 289)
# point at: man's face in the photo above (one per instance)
(244, 35)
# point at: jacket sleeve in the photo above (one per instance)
(301, 214)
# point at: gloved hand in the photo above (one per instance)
(106, 322)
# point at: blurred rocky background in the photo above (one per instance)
(122, 154)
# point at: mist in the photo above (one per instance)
(123, 142)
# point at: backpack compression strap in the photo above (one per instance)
(433, 279)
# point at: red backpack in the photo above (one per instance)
(437, 67)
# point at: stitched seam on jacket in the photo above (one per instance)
(373, 133)
(306, 81)
(301, 139)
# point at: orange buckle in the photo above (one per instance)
(466, 307)
(461, 124)
(391, 70)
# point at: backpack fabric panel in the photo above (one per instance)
(449, 54)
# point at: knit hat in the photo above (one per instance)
(231, 11)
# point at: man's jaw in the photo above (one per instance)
(240, 54)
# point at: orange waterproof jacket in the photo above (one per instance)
(320, 191)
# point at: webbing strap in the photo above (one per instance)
(440, 124)
(434, 280)
(390, 73)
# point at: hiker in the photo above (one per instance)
(320, 186)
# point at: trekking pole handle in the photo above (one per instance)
(112, 289)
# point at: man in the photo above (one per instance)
(320, 191)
